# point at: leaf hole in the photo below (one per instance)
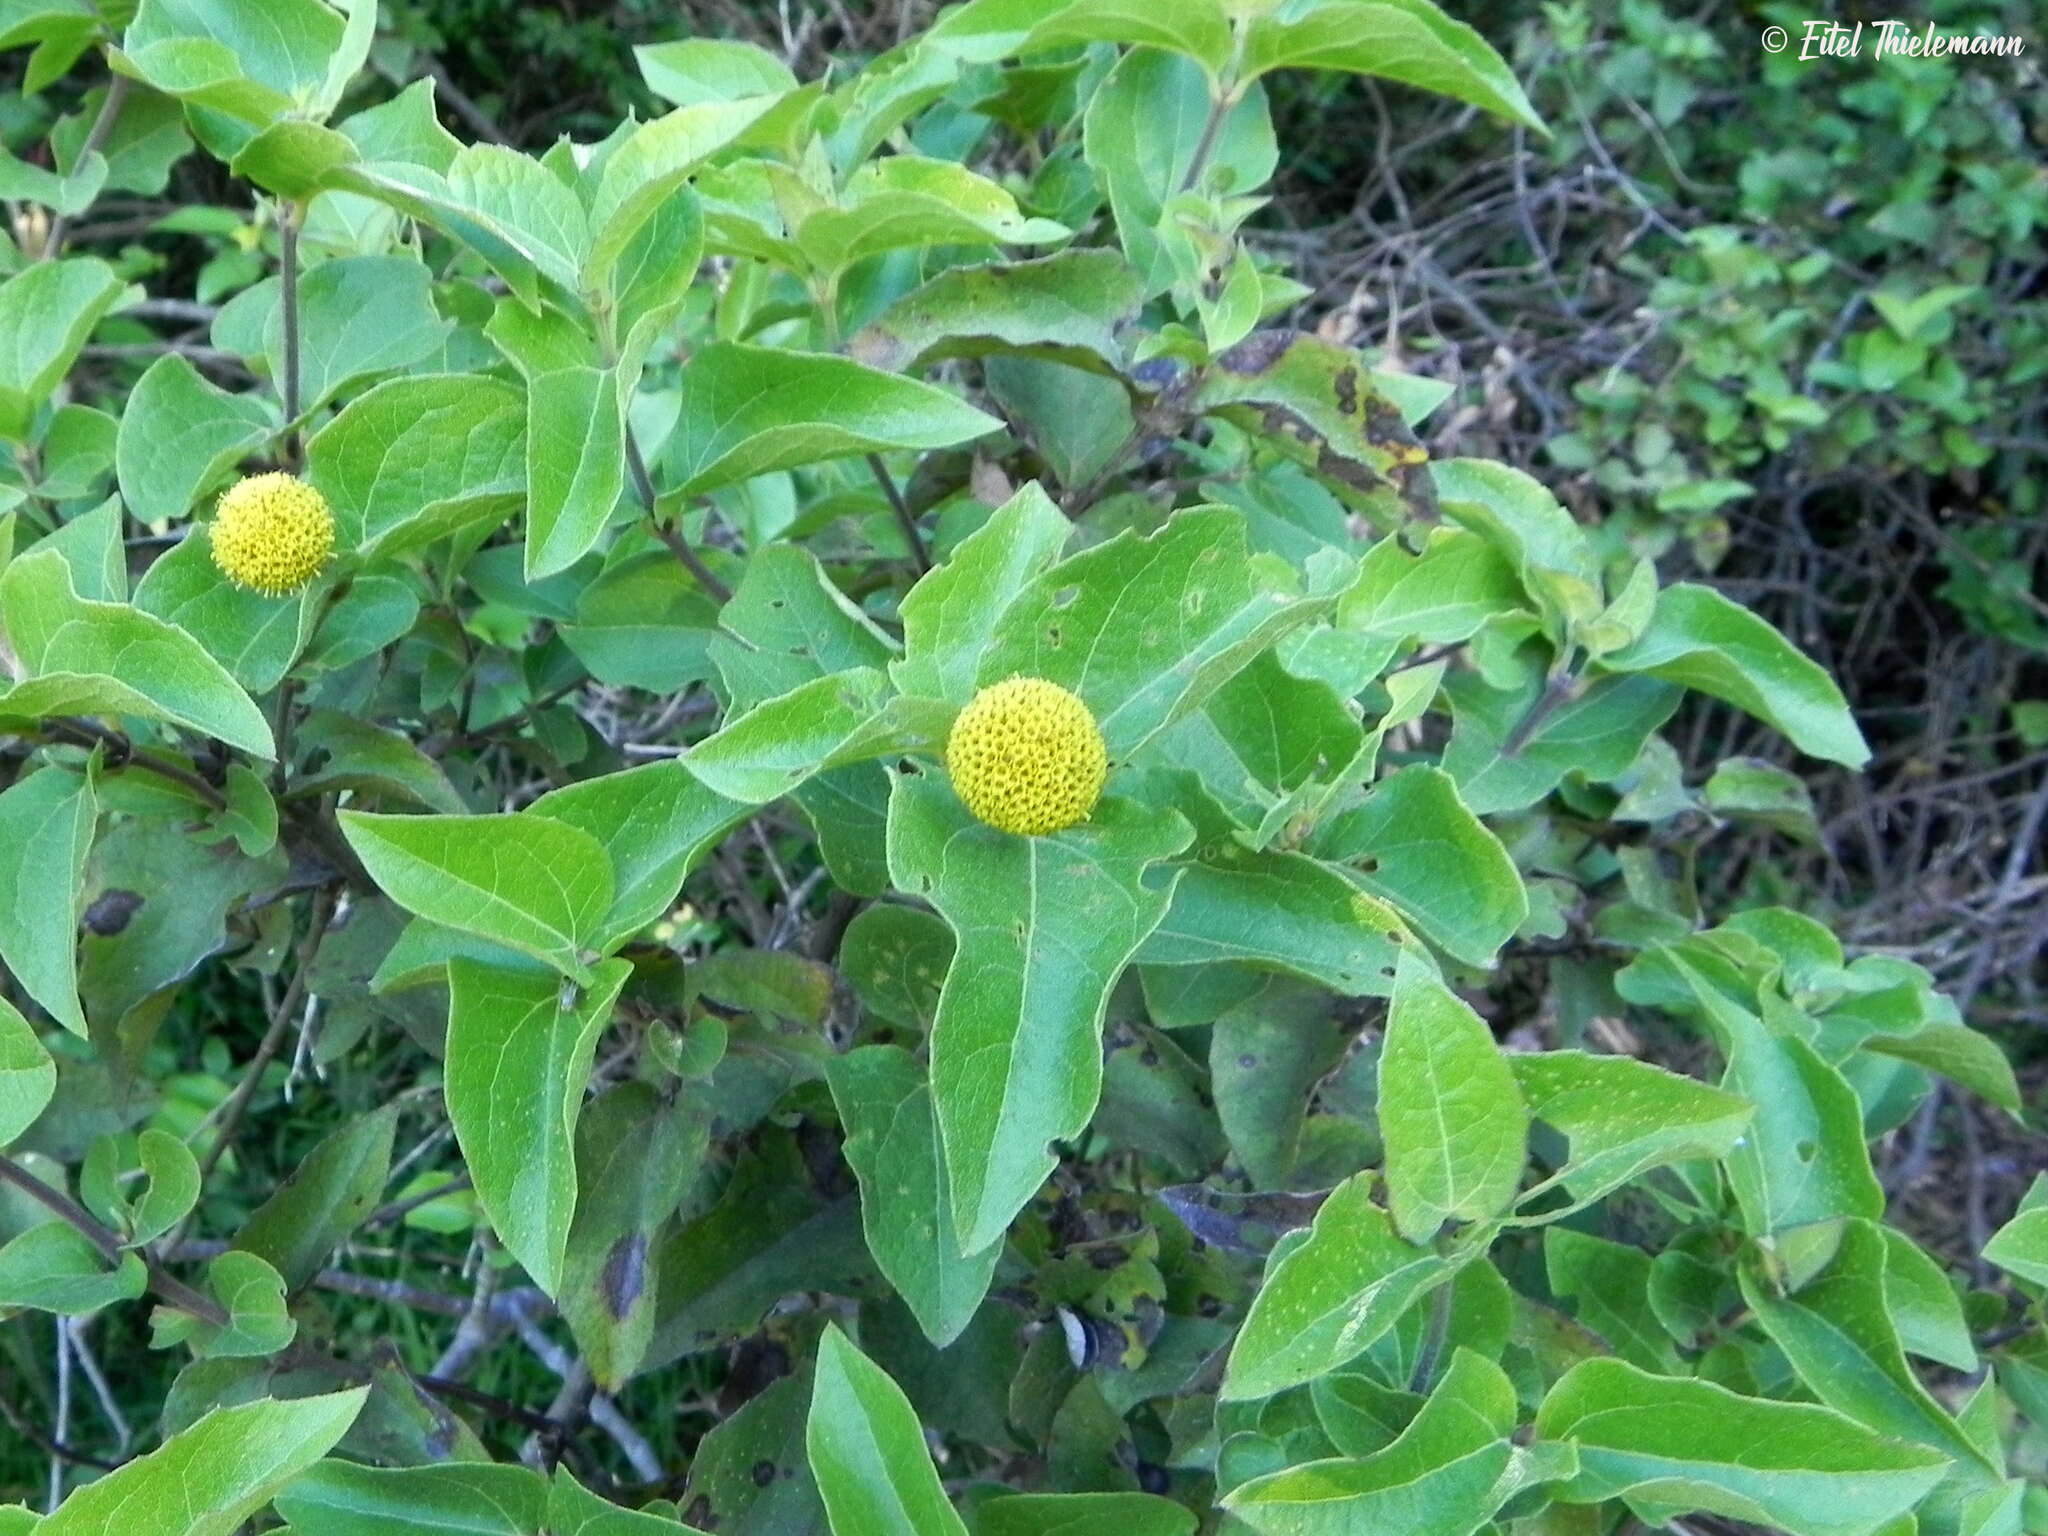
(1064, 598)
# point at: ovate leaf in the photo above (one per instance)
(749, 410)
(519, 1055)
(867, 1450)
(1443, 1475)
(1044, 927)
(892, 1143)
(528, 882)
(216, 1473)
(46, 828)
(1326, 1299)
(1709, 642)
(1452, 1118)
(1671, 1446)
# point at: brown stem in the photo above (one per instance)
(288, 276)
(174, 1292)
(901, 508)
(123, 752)
(95, 140)
(643, 487)
(273, 1038)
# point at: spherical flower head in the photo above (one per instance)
(272, 534)
(1027, 757)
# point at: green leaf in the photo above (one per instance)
(575, 464)
(1266, 1056)
(172, 1188)
(749, 410)
(777, 745)
(180, 434)
(1838, 1333)
(85, 657)
(907, 201)
(1443, 1475)
(1453, 1120)
(1279, 911)
(1804, 1159)
(1671, 1447)
(323, 1199)
(867, 1450)
(1325, 1300)
(711, 69)
(54, 1267)
(1083, 1514)
(274, 52)
(359, 316)
(46, 312)
(729, 1493)
(1044, 926)
(1624, 1117)
(1706, 641)
(528, 882)
(1958, 1053)
(356, 755)
(575, 1511)
(993, 29)
(1144, 630)
(1142, 133)
(217, 1472)
(1406, 40)
(415, 459)
(251, 1293)
(1598, 731)
(339, 1498)
(950, 616)
(1516, 513)
(1924, 1305)
(772, 1233)
(2020, 1247)
(1608, 1285)
(519, 1056)
(1417, 846)
(257, 638)
(1067, 308)
(46, 828)
(892, 1143)
(27, 1074)
(1443, 594)
(656, 822)
(636, 1156)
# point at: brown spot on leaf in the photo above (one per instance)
(110, 912)
(1257, 352)
(624, 1277)
(763, 1473)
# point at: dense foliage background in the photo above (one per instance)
(1413, 844)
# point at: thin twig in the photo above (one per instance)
(173, 1292)
(121, 752)
(643, 487)
(273, 1038)
(288, 275)
(897, 504)
(95, 140)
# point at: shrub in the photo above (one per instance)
(587, 811)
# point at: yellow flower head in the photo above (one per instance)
(272, 534)
(1027, 757)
